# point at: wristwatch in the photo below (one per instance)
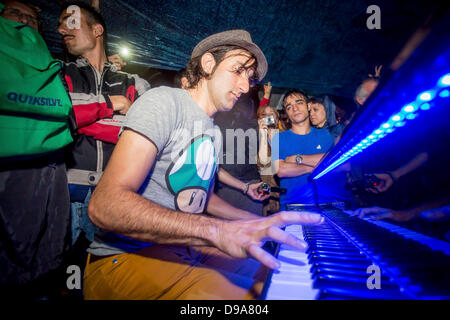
(298, 159)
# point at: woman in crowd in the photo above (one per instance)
(322, 115)
(268, 123)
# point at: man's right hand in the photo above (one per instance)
(120, 103)
(244, 238)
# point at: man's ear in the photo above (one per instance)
(208, 62)
(98, 30)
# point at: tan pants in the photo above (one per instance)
(170, 272)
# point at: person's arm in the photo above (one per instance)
(283, 168)
(115, 206)
(286, 169)
(249, 189)
(263, 152)
(388, 179)
(89, 108)
(222, 209)
(378, 213)
(266, 98)
(412, 165)
(231, 181)
(307, 159)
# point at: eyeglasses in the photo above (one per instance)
(30, 20)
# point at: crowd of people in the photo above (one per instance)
(135, 171)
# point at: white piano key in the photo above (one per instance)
(292, 281)
(292, 292)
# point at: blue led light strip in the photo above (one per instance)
(409, 111)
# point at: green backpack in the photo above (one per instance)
(34, 104)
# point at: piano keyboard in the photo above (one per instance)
(335, 265)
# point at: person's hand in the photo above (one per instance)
(374, 213)
(253, 192)
(267, 90)
(377, 72)
(385, 183)
(117, 61)
(120, 103)
(378, 213)
(262, 124)
(96, 5)
(244, 238)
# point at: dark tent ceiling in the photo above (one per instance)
(319, 46)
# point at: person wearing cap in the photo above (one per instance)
(232, 184)
(164, 234)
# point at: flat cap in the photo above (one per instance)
(239, 38)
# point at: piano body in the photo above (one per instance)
(354, 258)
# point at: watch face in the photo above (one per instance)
(298, 159)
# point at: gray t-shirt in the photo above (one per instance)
(183, 173)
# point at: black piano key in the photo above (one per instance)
(342, 271)
(352, 278)
(343, 243)
(359, 290)
(339, 261)
(343, 265)
(344, 248)
(349, 253)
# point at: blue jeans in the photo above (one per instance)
(79, 200)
